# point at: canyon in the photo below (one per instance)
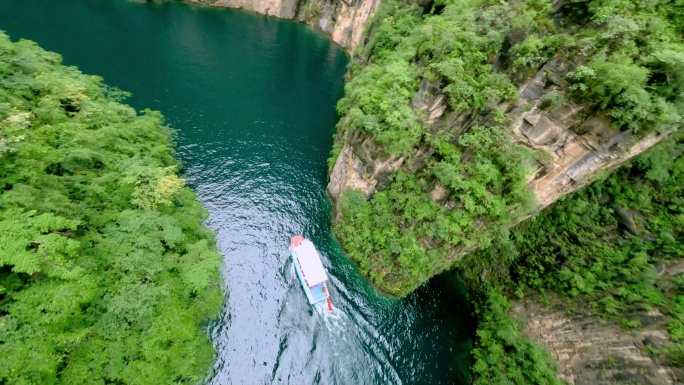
(574, 144)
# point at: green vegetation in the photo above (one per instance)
(409, 235)
(502, 355)
(629, 58)
(401, 237)
(603, 242)
(601, 246)
(106, 272)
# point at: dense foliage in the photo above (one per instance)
(603, 242)
(402, 237)
(502, 354)
(629, 59)
(603, 247)
(106, 272)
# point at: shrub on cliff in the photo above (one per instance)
(628, 58)
(603, 243)
(502, 354)
(106, 272)
(402, 237)
(608, 247)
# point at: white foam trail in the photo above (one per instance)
(334, 321)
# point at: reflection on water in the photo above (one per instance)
(253, 100)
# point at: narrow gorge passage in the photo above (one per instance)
(253, 101)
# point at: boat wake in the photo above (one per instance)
(334, 321)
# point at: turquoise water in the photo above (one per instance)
(253, 101)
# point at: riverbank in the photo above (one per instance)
(461, 122)
(106, 271)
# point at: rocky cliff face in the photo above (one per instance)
(596, 351)
(342, 20)
(574, 145)
(284, 9)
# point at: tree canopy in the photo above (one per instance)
(628, 60)
(107, 274)
(627, 63)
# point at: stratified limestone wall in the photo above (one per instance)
(574, 146)
(595, 351)
(342, 20)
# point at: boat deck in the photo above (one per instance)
(317, 292)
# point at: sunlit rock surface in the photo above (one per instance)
(573, 147)
(342, 20)
(594, 351)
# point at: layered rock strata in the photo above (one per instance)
(574, 145)
(342, 20)
(596, 351)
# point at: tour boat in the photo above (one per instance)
(310, 271)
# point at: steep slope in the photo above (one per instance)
(463, 121)
(597, 280)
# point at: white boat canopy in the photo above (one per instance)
(310, 263)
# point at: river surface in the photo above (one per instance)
(253, 100)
